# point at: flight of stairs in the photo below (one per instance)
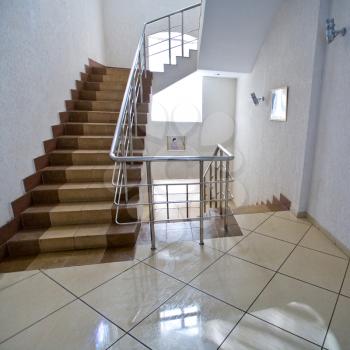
(73, 207)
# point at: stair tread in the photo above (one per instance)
(73, 186)
(87, 167)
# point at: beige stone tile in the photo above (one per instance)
(251, 221)
(8, 279)
(81, 279)
(346, 286)
(297, 307)
(317, 268)
(224, 244)
(131, 296)
(75, 326)
(127, 343)
(338, 333)
(87, 236)
(262, 250)
(286, 230)
(28, 301)
(189, 320)
(183, 260)
(233, 280)
(252, 333)
(58, 238)
(316, 239)
(290, 216)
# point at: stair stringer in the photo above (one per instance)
(174, 72)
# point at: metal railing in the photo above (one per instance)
(122, 152)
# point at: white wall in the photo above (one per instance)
(123, 23)
(44, 45)
(236, 29)
(201, 138)
(329, 201)
(270, 155)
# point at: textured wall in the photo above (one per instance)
(201, 138)
(44, 45)
(329, 202)
(123, 23)
(270, 155)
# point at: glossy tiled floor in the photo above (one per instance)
(281, 285)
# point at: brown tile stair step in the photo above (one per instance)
(124, 72)
(80, 157)
(91, 142)
(60, 238)
(98, 117)
(89, 128)
(86, 173)
(101, 95)
(86, 105)
(78, 192)
(101, 78)
(78, 213)
(102, 86)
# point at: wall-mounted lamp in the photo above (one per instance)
(257, 100)
(331, 32)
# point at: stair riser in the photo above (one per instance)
(79, 195)
(110, 71)
(93, 143)
(97, 105)
(83, 217)
(106, 86)
(88, 129)
(80, 159)
(99, 78)
(101, 95)
(91, 175)
(100, 117)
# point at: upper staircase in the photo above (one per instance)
(73, 207)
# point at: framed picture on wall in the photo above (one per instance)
(279, 104)
(176, 143)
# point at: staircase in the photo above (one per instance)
(73, 207)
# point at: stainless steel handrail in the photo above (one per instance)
(122, 145)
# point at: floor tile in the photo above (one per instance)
(134, 294)
(127, 343)
(251, 333)
(233, 280)
(317, 268)
(346, 286)
(8, 279)
(286, 230)
(316, 239)
(75, 326)
(251, 221)
(81, 279)
(224, 244)
(338, 334)
(26, 302)
(189, 320)
(262, 250)
(184, 260)
(297, 307)
(287, 214)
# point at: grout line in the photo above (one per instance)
(320, 251)
(335, 306)
(130, 335)
(256, 298)
(21, 280)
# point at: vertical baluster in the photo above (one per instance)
(205, 194)
(216, 183)
(167, 201)
(187, 201)
(144, 52)
(169, 33)
(226, 191)
(221, 179)
(201, 206)
(141, 79)
(182, 34)
(150, 204)
(210, 184)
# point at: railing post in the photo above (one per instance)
(141, 77)
(144, 52)
(134, 102)
(150, 204)
(227, 178)
(187, 201)
(221, 180)
(169, 33)
(167, 201)
(201, 205)
(182, 34)
(210, 184)
(216, 183)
